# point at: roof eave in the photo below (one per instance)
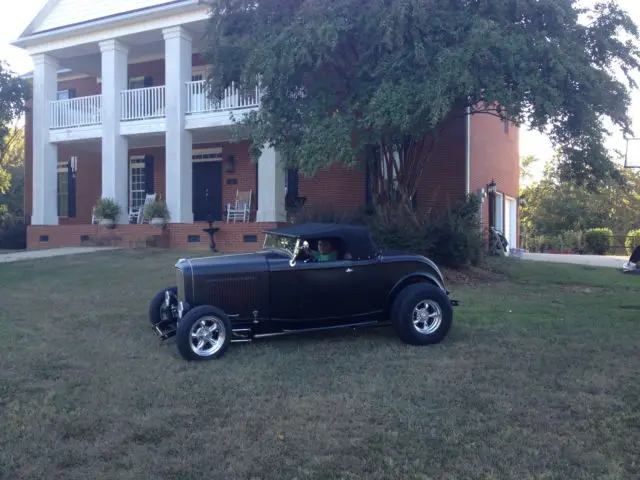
(98, 23)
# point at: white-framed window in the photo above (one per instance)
(206, 155)
(199, 73)
(65, 94)
(136, 82)
(137, 182)
(63, 189)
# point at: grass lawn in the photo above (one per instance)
(539, 378)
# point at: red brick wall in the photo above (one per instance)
(337, 188)
(494, 155)
(238, 237)
(443, 180)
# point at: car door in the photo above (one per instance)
(335, 291)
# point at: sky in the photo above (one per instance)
(531, 143)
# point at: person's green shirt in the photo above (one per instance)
(320, 257)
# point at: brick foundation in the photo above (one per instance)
(231, 238)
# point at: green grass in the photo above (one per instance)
(539, 378)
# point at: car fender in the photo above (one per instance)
(409, 279)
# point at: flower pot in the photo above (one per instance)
(158, 222)
(107, 222)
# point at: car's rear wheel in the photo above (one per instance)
(203, 333)
(158, 313)
(422, 314)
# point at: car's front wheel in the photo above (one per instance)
(422, 314)
(203, 333)
(158, 311)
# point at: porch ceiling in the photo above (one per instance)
(143, 46)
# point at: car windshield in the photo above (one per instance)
(277, 242)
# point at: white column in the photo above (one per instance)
(115, 147)
(271, 195)
(179, 142)
(45, 153)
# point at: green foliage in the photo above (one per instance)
(339, 77)
(450, 237)
(554, 205)
(598, 241)
(156, 209)
(632, 240)
(107, 208)
(13, 231)
(13, 95)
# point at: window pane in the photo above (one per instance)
(138, 186)
(63, 194)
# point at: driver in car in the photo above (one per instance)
(325, 252)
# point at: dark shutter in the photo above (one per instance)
(292, 182)
(71, 188)
(148, 174)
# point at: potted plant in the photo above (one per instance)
(107, 210)
(157, 213)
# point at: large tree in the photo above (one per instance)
(375, 81)
(13, 95)
(554, 205)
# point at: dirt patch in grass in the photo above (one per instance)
(533, 382)
(472, 276)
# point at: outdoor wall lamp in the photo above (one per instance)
(230, 164)
(491, 188)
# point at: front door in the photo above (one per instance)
(207, 191)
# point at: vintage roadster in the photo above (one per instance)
(312, 276)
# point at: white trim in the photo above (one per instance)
(114, 27)
(511, 219)
(206, 151)
(467, 153)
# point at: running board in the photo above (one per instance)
(317, 329)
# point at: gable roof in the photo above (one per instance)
(58, 14)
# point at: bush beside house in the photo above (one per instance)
(450, 237)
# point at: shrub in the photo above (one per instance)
(107, 208)
(632, 240)
(13, 232)
(156, 209)
(451, 237)
(598, 240)
(573, 240)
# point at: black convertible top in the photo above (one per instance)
(357, 240)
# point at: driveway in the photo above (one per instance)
(48, 252)
(592, 260)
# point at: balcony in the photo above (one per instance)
(143, 110)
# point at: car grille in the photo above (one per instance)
(180, 284)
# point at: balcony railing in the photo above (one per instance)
(149, 103)
(142, 103)
(76, 112)
(199, 99)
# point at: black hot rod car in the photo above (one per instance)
(312, 276)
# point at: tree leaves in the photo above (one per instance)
(13, 91)
(341, 75)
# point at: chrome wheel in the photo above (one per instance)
(207, 336)
(427, 317)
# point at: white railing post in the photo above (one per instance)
(76, 112)
(199, 101)
(141, 103)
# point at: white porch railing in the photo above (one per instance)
(142, 103)
(199, 99)
(76, 112)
